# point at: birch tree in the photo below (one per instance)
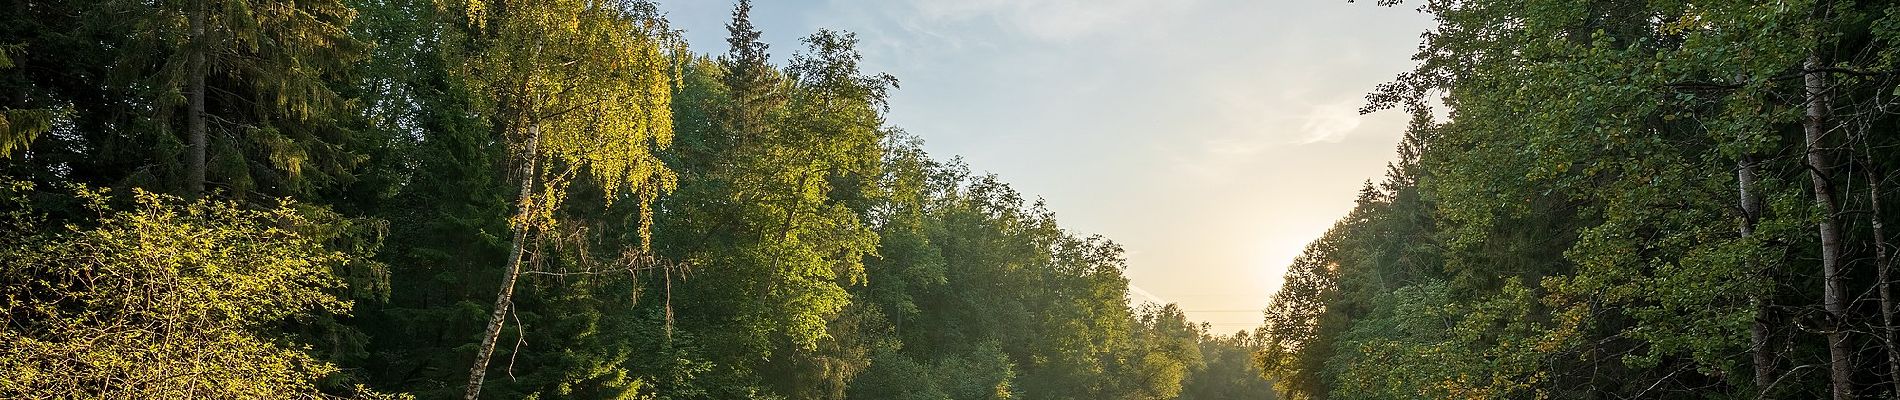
(578, 89)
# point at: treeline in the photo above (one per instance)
(1625, 199)
(523, 199)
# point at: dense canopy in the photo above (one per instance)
(564, 199)
(1617, 199)
(524, 199)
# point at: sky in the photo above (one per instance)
(1213, 139)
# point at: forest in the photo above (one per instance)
(386, 199)
(507, 199)
(1674, 199)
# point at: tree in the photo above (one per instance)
(578, 90)
(1820, 170)
(167, 299)
(19, 126)
(1615, 207)
(1167, 351)
(777, 167)
(1229, 372)
(261, 71)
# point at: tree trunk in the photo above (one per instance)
(1882, 264)
(1840, 364)
(505, 299)
(195, 107)
(1764, 360)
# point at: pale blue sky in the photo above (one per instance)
(1211, 138)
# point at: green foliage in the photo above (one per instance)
(1229, 371)
(1167, 348)
(271, 75)
(167, 299)
(670, 225)
(19, 127)
(1617, 206)
(576, 85)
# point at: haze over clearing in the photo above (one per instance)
(1212, 139)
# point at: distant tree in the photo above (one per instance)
(1229, 372)
(1167, 350)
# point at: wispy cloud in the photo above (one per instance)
(1331, 122)
(1052, 20)
(1135, 292)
